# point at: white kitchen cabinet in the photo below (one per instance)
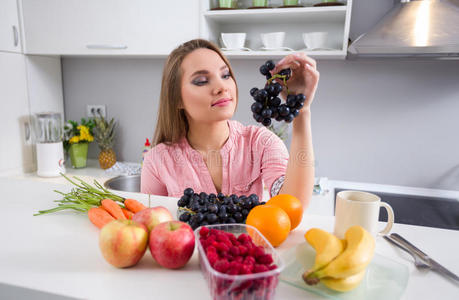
(294, 21)
(28, 84)
(15, 153)
(108, 27)
(9, 27)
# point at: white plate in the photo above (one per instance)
(384, 279)
(236, 49)
(277, 49)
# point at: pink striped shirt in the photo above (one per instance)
(251, 156)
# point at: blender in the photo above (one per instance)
(48, 133)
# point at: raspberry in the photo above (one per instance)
(210, 249)
(258, 251)
(233, 271)
(204, 232)
(222, 247)
(242, 250)
(232, 238)
(260, 268)
(221, 265)
(249, 260)
(272, 267)
(212, 257)
(239, 259)
(211, 239)
(266, 259)
(245, 269)
(213, 232)
(221, 237)
(228, 243)
(234, 250)
(243, 238)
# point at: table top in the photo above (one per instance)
(59, 253)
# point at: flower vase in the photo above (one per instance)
(78, 155)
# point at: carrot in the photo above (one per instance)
(99, 216)
(127, 213)
(134, 205)
(113, 208)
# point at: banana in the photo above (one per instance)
(344, 284)
(354, 259)
(327, 246)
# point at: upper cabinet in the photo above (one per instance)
(324, 26)
(108, 27)
(9, 27)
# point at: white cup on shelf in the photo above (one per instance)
(315, 40)
(233, 40)
(273, 40)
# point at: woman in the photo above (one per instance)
(198, 146)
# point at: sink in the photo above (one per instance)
(125, 183)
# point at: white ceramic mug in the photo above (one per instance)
(360, 208)
(233, 40)
(273, 40)
(315, 40)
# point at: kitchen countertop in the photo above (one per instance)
(59, 254)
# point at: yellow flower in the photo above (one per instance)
(74, 140)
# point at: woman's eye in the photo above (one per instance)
(200, 81)
(227, 76)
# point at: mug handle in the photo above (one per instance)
(390, 218)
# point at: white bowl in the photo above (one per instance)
(273, 40)
(315, 40)
(233, 40)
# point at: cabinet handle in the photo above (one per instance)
(16, 36)
(106, 46)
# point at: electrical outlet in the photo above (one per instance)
(93, 111)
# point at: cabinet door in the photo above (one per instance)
(136, 27)
(15, 154)
(9, 26)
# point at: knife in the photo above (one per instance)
(435, 266)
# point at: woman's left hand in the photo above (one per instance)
(304, 78)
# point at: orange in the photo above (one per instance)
(271, 221)
(291, 205)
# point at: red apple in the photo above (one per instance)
(150, 217)
(123, 242)
(172, 244)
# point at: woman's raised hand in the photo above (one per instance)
(304, 78)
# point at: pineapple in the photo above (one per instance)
(104, 134)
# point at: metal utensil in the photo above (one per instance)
(435, 266)
(418, 262)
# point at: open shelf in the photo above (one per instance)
(328, 54)
(294, 21)
(279, 15)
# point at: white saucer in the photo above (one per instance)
(236, 49)
(318, 49)
(277, 49)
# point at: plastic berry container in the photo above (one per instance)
(242, 287)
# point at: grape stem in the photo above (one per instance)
(284, 79)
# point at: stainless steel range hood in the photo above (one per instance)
(426, 28)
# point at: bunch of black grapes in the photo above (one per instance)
(267, 103)
(204, 209)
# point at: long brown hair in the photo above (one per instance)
(172, 123)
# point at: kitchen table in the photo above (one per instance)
(57, 255)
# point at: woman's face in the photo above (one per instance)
(208, 89)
